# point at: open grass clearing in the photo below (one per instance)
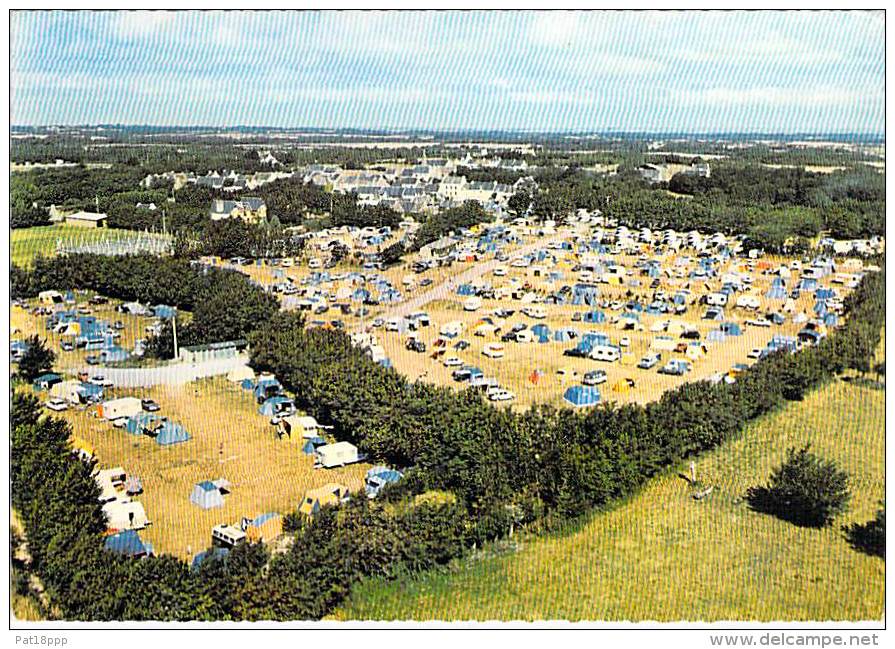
(663, 556)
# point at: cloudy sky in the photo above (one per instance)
(554, 71)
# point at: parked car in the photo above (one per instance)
(759, 322)
(501, 395)
(625, 342)
(92, 359)
(415, 345)
(754, 353)
(426, 282)
(150, 405)
(460, 375)
(460, 345)
(101, 381)
(649, 361)
(452, 361)
(57, 405)
(575, 353)
(594, 377)
(675, 367)
(67, 346)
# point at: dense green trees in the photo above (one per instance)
(225, 305)
(36, 360)
(870, 537)
(451, 220)
(806, 490)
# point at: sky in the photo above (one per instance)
(799, 72)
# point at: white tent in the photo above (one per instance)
(125, 514)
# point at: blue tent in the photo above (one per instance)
(582, 395)
(776, 293)
(127, 543)
(273, 404)
(266, 388)
(164, 311)
(360, 295)
(171, 433)
(807, 284)
(465, 289)
(831, 319)
(46, 381)
(113, 354)
(212, 554)
(820, 308)
(564, 335)
(385, 363)
(140, 423)
(823, 294)
(540, 330)
(206, 495)
(378, 477)
(311, 445)
(594, 317)
(90, 391)
(716, 336)
(731, 329)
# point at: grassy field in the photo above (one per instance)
(229, 440)
(28, 243)
(663, 556)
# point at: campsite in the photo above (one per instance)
(228, 439)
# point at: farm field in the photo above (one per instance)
(230, 440)
(663, 556)
(28, 243)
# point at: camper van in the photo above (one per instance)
(493, 350)
(536, 312)
(606, 353)
(473, 303)
(227, 536)
(335, 455)
(748, 302)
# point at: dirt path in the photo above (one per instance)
(446, 289)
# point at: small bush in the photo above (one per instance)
(806, 490)
(871, 536)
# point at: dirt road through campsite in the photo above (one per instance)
(446, 289)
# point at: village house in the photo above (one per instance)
(249, 209)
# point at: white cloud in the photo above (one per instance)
(824, 96)
(554, 28)
(141, 24)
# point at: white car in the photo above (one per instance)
(57, 405)
(500, 271)
(452, 361)
(625, 342)
(760, 322)
(501, 395)
(755, 353)
(101, 381)
(121, 422)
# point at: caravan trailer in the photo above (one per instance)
(335, 455)
(607, 353)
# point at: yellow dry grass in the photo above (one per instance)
(231, 440)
